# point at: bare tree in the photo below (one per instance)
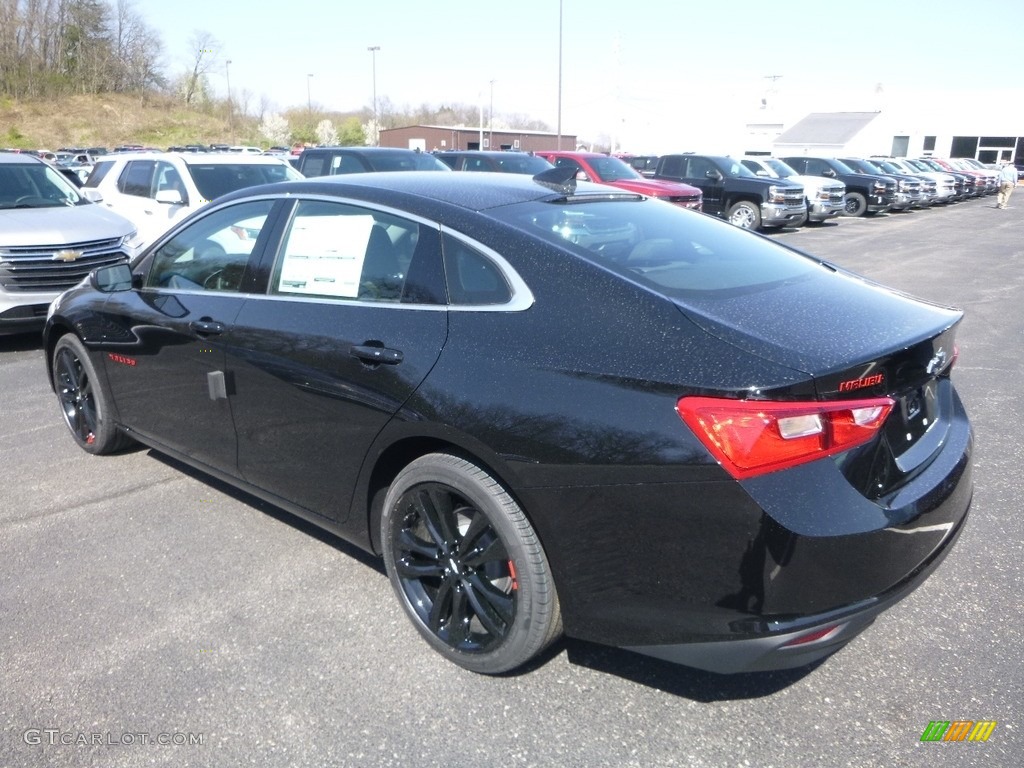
(206, 49)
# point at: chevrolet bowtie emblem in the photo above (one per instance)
(67, 255)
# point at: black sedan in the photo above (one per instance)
(547, 406)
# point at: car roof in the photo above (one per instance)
(14, 158)
(573, 153)
(197, 158)
(483, 152)
(367, 150)
(472, 191)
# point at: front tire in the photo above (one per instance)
(467, 566)
(85, 403)
(854, 204)
(745, 215)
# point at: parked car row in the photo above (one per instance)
(832, 186)
(150, 191)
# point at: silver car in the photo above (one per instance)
(50, 238)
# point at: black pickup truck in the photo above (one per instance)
(734, 193)
(865, 193)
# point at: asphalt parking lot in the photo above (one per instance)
(141, 602)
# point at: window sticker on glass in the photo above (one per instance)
(324, 255)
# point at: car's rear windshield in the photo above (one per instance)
(216, 179)
(521, 163)
(677, 252)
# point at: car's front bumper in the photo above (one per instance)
(823, 210)
(23, 312)
(780, 215)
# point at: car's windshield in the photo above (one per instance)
(736, 168)
(35, 185)
(859, 166)
(679, 253)
(784, 171)
(216, 179)
(613, 169)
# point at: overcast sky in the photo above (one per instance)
(636, 71)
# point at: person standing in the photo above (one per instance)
(1007, 181)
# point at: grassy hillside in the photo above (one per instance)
(113, 119)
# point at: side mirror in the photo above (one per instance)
(829, 172)
(91, 194)
(113, 278)
(170, 197)
(714, 174)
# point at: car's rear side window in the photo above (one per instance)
(473, 279)
(341, 251)
(137, 178)
(99, 171)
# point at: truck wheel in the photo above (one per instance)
(855, 204)
(745, 215)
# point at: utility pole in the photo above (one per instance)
(376, 126)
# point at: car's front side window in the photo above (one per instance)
(211, 254)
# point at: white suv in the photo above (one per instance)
(156, 189)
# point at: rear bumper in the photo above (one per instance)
(723, 575)
(796, 643)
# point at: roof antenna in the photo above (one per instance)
(560, 179)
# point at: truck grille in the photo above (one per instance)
(793, 195)
(834, 194)
(39, 268)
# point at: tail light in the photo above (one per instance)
(754, 437)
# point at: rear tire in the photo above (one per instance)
(467, 566)
(85, 403)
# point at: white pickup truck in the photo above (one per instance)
(824, 196)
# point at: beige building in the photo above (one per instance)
(429, 138)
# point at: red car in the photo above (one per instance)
(604, 169)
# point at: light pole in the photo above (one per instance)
(309, 93)
(559, 74)
(490, 121)
(227, 74)
(376, 128)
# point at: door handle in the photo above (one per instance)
(207, 327)
(377, 355)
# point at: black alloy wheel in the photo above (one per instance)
(854, 204)
(85, 404)
(467, 565)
